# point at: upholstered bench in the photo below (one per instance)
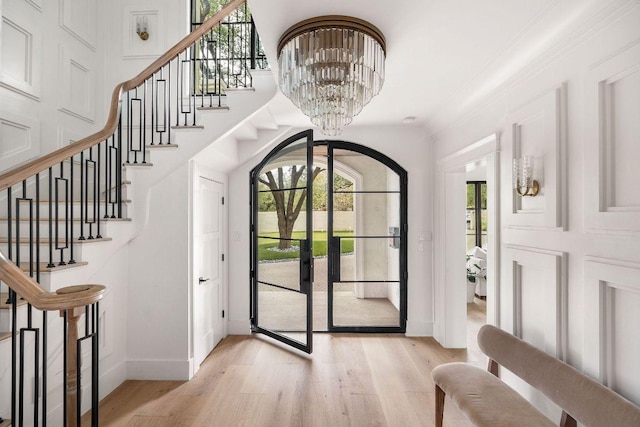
(487, 401)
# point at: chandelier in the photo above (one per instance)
(331, 67)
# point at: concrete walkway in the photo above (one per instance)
(279, 309)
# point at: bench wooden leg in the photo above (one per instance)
(567, 420)
(440, 394)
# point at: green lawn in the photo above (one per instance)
(319, 245)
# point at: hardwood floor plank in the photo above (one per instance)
(350, 380)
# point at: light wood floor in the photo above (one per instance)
(350, 380)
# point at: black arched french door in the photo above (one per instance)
(358, 197)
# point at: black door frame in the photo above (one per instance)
(306, 246)
(306, 252)
(333, 250)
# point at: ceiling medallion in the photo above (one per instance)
(331, 67)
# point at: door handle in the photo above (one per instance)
(202, 279)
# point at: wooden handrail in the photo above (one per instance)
(22, 172)
(64, 299)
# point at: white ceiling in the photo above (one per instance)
(443, 56)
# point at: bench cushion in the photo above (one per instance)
(485, 399)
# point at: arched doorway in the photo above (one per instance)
(354, 258)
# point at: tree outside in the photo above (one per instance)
(283, 190)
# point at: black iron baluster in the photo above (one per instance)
(96, 193)
(153, 112)
(108, 182)
(119, 166)
(82, 183)
(143, 114)
(14, 351)
(128, 127)
(65, 350)
(50, 264)
(70, 213)
(253, 45)
(37, 221)
(44, 368)
(167, 102)
(95, 362)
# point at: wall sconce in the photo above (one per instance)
(142, 27)
(523, 181)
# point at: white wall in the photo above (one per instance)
(407, 145)
(51, 75)
(567, 260)
(159, 266)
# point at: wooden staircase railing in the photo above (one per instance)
(65, 198)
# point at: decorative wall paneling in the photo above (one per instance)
(20, 52)
(19, 139)
(538, 129)
(78, 18)
(133, 46)
(611, 319)
(538, 293)
(77, 85)
(611, 149)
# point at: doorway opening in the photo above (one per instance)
(328, 241)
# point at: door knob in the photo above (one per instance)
(202, 279)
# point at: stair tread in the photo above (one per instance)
(3, 302)
(4, 336)
(188, 127)
(221, 108)
(46, 240)
(5, 423)
(128, 165)
(44, 269)
(162, 146)
(101, 201)
(73, 219)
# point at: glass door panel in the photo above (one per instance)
(281, 240)
(367, 243)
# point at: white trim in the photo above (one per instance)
(164, 370)
(553, 294)
(444, 297)
(601, 276)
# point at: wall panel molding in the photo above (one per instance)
(551, 295)
(77, 85)
(608, 283)
(538, 129)
(19, 139)
(78, 18)
(20, 55)
(132, 46)
(611, 149)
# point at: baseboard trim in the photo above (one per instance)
(419, 329)
(111, 379)
(164, 370)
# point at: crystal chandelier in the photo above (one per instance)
(331, 67)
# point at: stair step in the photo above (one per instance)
(160, 146)
(4, 296)
(44, 269)
(60, 241)
(136, 165)
(4, 336)
(196, 127)
(240, 89)
(222, 108)
(5, 423)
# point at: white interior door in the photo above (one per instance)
(208, 298)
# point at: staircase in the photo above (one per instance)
(75, 216)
